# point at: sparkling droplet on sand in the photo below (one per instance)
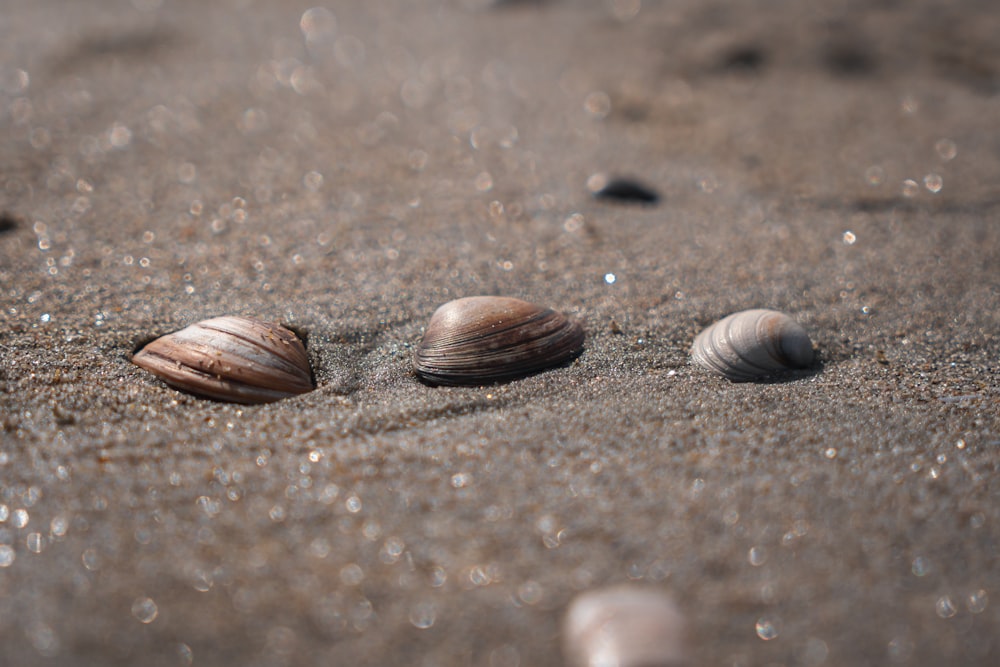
(944, 607)
(185, 654)
(119, 135)
(933, 182)
(423, 615)
(768, 627)
(597, 104)
(35, 542)
(484, 182)
(318, 23)
(920, 567)
(874, 175)
(145, 610)
(977, 601)
(7, 555)
(352, 574)
(946, 149)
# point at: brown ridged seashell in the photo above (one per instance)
(753, 344)
(233, 359)
(481, 340)
(625, 626)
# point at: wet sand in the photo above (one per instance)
(345, 173)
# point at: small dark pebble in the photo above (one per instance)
(849, 60)
(8, 222)
(626, 190)
(744, 59)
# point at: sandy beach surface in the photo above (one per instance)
(345, 170)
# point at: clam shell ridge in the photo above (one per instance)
(753, 344)
(486, 339)
(234, 359)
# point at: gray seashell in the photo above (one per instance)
(234, 359)
(753, 344)
(624, 626)
(481, 340)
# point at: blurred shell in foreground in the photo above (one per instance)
(624, 626)
(234, 359)
(481, 340)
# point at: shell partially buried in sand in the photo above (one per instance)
(753, 344)
(481, 340)
(233, 359)
(625, 626)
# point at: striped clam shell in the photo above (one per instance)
(233, 359)
(481, 340)
(753, 344)
(625, 626)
